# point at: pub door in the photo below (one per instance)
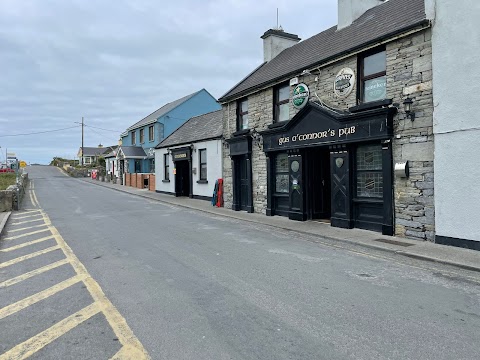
(182, 178)
(242, 171)
(318, 196)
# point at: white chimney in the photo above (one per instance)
(351, 10)
(275, 41)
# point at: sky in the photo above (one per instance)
(115, 62)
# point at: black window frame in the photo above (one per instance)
(166, 167)
(277, 172)
(360, 72)
(200, 163)
(151, 133)
(134, 137)
(142, 136)
(358, 172)
(277, 102)
(241, 115)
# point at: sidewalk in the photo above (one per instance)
(3, 220)
(463, 258)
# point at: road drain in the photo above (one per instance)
(393, 242)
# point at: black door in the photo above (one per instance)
(244, 182)
(318, 184)
(182, 178)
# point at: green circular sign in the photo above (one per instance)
(300, 97)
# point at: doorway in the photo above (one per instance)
(242, 171)
(318, 184)
(182, 178)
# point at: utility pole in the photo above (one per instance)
(82, 141)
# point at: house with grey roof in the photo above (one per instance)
(316, 131)
(136, 153)
(189, 161)
(89, 155)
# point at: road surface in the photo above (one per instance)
(181, 284)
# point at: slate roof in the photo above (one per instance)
(381, 22)
(93, 151)
(150, 119)
(197, 128)
(133, 151)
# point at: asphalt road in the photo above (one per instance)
(192, 285)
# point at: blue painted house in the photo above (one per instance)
(141, 138)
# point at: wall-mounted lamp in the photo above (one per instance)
(407, 104)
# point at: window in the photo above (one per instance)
(203, 164)
(242, 114)
(138, 166)
(88, 160)
(166, 167)
(151, 134)
(281, 109)
(152, 165)
(281, 173)
(134, 140)
(373, 77)
(369, 171)
(142, 136)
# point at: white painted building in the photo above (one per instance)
(456, 127)
(189, 161)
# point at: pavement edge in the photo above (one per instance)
(4, 222)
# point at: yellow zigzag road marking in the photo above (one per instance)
(27, 234)
(26, 228)
(32, 273)
(133, 348)
(36, 343)
(25, 222)
(16, 247)
(29, 256)
(42, 295)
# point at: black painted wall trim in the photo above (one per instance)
(463, 243)
(201, 197)
(165, 192)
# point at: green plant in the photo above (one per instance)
(7, 179)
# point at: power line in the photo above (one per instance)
(99, 128)
(40, 132)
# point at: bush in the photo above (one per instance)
(7, 179)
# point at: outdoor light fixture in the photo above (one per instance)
(407, 103)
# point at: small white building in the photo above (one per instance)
(189, 161)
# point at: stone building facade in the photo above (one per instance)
(408, 73)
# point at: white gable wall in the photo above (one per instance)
(456, 87)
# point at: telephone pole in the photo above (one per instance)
(82, 142)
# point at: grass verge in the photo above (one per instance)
(6, 180)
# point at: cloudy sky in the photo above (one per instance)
(114, 62)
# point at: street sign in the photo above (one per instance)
(23, 164)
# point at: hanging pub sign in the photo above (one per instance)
(344, 82)
(301, 93)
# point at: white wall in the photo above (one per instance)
(456, 91)
(214, 168)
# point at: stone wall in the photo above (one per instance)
(6, 200)
(409, 74)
